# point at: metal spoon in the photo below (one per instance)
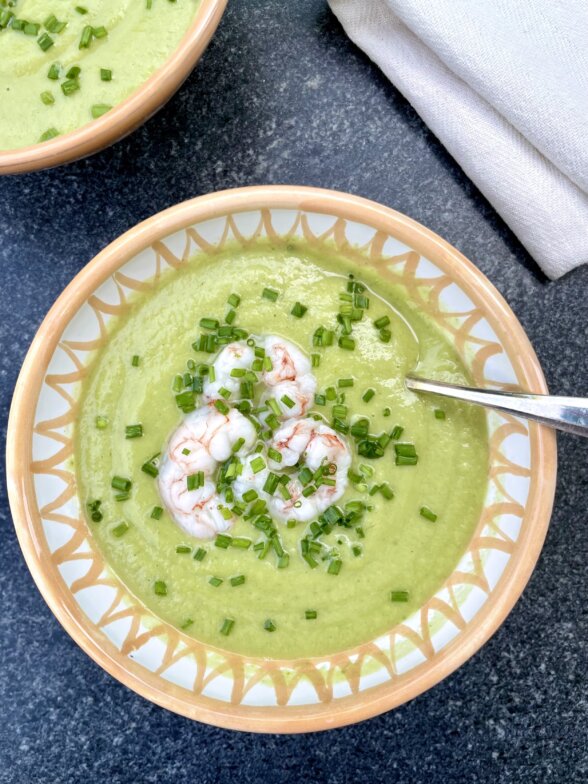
(563, 413)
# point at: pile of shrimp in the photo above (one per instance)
(207, 438)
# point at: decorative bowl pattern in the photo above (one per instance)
(207, 683)
(130, 113)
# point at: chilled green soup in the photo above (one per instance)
(387, 513)
(62, 64)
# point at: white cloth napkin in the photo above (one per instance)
(504, 85)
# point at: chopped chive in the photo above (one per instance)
(401, 460)
(283, 561)
(238, 580)
(381, 322)
(81, 10)
(135, 360)
(120, 483)
(439, 413)
(182, 549)
(231, 316)
(250, 495)
(101, 422)
(53, 72)
(186, 451)
(45, 42)
(70, 86)
(385, 335)
(428, 514)
(106, 74)
(320, 400)
(234, 300)
(122, 496)
(186, 624)
(257, 464)
(223, 541)
(356, 550)
(287, 401)
(398, 596)
(120, 530)
(49, 134)
(86, 37)
(237, 445)
(269, 625)
(133, 431)
(347, 343)
(310, 615)
(386, 491)
(98, 109)
(368, 395)
(342, 383)
(195, 481)
(386, 412)
(156, 512)
(227, 626)
(200, 554)
(274, 455)
(405, 450)
(270, 294)
(221, 406)
(396, 432)
(298, 310)
(215, 582)
(241, 542)
(315, 360)
(209, 323)
(335, 566)
(47, 97)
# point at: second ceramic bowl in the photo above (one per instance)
(128, 114)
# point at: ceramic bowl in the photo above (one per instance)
(198, 680)
(130, 113)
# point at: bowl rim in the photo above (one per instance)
(367, 703)
(127, 115)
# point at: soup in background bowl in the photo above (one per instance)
(233, 504)
(75, 79)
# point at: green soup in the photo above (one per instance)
(409, 508)
(113, 46)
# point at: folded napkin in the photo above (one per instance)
(504, 85)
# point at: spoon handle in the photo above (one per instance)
(563, 413)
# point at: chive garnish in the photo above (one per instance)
(120, 530)
(45, 42)
(94, 510)
(381, 322)
(227, 626)
(396, 432)
(223, 541)
(47, 97)
(257, 464)
(241, 542)
(283, 561)
(335, 566)
(221, 406)
(234, 300)
(310, 615)
(200, 554)
(269, 625)
(135, 360)
(133, 431)
(209, 323)
(439, 413)
(101, 422)
(70, 86)
(106, 74)
(368, 395)
(49, 134)
(428, 514)
(270, 294)
(315, 360)
(186, 624)
(250, 495)
(81, 10)
(86, 37)
(344, 382)
(398, 596)
(156, 512)
(298, 310)
(347, 343)
(287, 401)
(98, 109)
(385, 335)
(238, 580)
(120, 483)
(195, 481)
(215, 582)
(183, 549)
(53, 72)
(386, 412)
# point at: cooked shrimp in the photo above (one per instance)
(290, 377)
(203, 440)
(319, 445)
(234, 355)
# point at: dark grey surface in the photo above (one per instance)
(282, 97)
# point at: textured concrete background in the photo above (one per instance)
(282, 97)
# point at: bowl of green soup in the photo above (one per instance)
(76, 79)
(223, 488)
